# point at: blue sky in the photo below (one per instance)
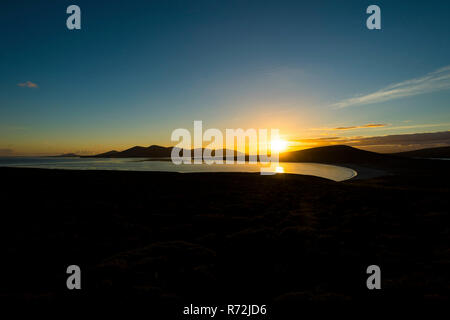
(139, 69)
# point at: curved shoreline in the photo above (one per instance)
(326, 171)
(332, 171)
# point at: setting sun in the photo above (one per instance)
(279, 145)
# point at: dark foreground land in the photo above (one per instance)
(166, 240)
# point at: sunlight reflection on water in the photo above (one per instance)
(331, 172)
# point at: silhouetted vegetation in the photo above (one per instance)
(168, 239)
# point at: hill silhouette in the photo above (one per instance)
(336, 154)
(440, 152)
(107, 154)
(152, 151)
(339, 154)
(67, 155)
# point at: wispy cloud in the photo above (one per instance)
(434, 81)
(388, 143)
(28, 84)
(443, 125)
(363, 126)
(369, 125)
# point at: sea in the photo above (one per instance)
(331, 172)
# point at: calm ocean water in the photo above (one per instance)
(136, 164)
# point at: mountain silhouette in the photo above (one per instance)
(328, 154)
(67, 155)
(137, 152)
(440, 152)
(107, 154)
(336, 154)
(153, 151)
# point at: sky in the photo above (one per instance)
(137, 70)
